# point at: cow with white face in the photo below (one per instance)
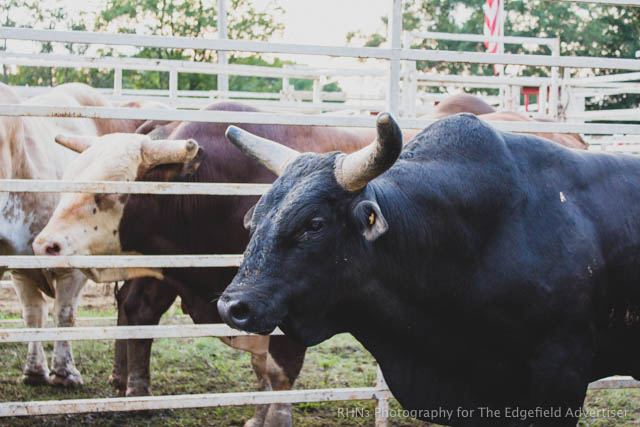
(27, 151)
(86, 223)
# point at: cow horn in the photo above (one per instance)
(165, 151)
(77, 143)
(270, 154)
(353, 171)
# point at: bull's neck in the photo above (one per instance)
(413, 270)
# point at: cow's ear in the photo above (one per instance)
(152, 125)
(369, 220)
(179, 171)
(248, 217)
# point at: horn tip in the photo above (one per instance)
(383, 118)
(60, 138)
(232, 132)
(191, 145)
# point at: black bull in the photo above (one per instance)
(482, 270)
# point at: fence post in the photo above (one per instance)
(117, 81)
(553, 96)
(394, 63)
(382, 404)
(173, 85)
(515, 95)
(317, 89)
(542, 99)
(223, 79)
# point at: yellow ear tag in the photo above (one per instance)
(372, 218)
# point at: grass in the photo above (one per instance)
(206, 365)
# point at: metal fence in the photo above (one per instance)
(395, 55)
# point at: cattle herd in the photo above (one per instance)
(482, 269)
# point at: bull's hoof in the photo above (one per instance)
(279, 415)
(254, 422)
(119, 383)
(66, 379)
(138, 391)
(258, 416)
(35, 379)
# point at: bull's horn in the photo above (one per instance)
(270, 154)
(77, 143)
(353, 171)
(165, 151)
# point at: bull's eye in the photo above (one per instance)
(315, 224)
(311, 229)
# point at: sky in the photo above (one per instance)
(329, 21)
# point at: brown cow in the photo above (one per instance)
(464, 103)
(27, 151)
(180, 225)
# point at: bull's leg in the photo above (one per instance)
(559, 376)
(34, 314)
(145, 304)
(258, 346)
(68, 289)
(284, 363)
(118, 377)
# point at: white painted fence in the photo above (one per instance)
(395, 55)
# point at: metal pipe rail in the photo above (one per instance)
(183, 401)
(305, 120)
(98, 333)
(28, 262)
(604, 2)
(395, 54)
(133, 187)
(166, 65)
(547, 41)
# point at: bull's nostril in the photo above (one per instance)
(53, 249)
(239, 311)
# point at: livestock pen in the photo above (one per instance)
(393, 101)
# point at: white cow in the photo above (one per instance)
(28, 151)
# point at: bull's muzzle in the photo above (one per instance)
(235, 312)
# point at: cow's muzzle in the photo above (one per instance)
(43, 246)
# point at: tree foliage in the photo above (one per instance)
(185, 18)
(584, 30)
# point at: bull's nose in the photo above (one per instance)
(45, 247)
(235, 313)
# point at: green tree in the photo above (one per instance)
(188, 18)
(7, 21)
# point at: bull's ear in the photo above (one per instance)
(369, 220)
(248, 217)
